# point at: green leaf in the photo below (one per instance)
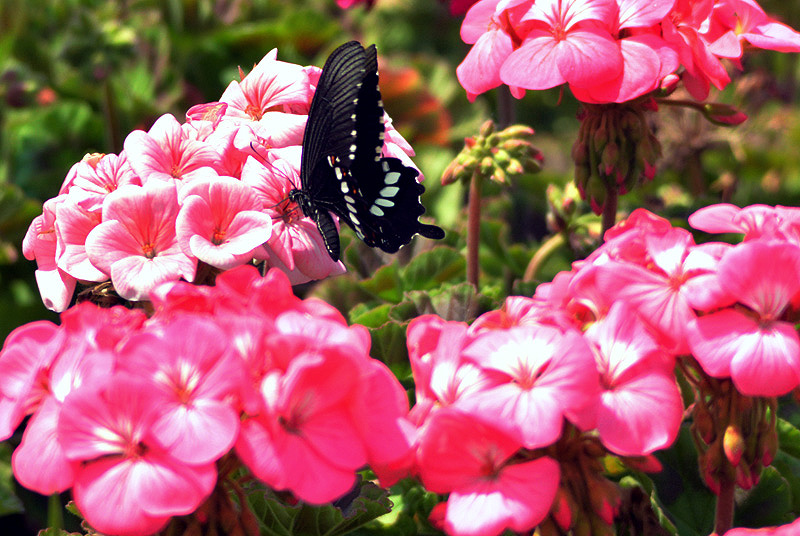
(788, 438)
(279, 518)
(431, 269)
(683, 495)
(644, 507)
(789, 468)
(385, 284)
(9, 502)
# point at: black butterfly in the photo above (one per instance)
(342, 170)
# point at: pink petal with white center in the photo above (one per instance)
(198, 433)
(165, 152)
(56, 288)
(763, 360)
(519, 498)
(480, 70)
(762, 275)
(93, 183)
(136, 245)
(562, 15)
(584, 57)
(669, 249)
(219, 222)
(73, 225)
(39, 463)
(641, 414)
(128, 496)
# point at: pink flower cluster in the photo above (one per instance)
(612, 50)
(132, 413)
(213, 189)
(597, 348)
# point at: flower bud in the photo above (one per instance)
(723, 114)
(733, 444)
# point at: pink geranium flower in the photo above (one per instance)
(640, 408)
(196, 380)
(96, 178)
(546, 376)
(127, 483)
(168, 152)
(488, 490)
(73, 224)
(753, 346)
(272, 85)
(220, 222)
(136, 244)
(568, 42)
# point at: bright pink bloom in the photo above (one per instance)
(488, 490)
(272, 85)
(754, 221)
(220, 222)
(136, 243)
(55, 285)
(26, 356)
(757, 350)
(196, 379)
(790, 529)
(167, 152)
(569, 41)
(640, 408)
(546, 376)
(127, 483)
(745, 20)
(679, 276)
(442, 375)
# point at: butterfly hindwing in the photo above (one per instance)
(342, 169)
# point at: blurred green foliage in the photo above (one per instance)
(76, 76)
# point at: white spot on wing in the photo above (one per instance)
(349, 199)
(376, 210)
(345, 189)
(385, 167)
(390, 178)
(384, 202)
(354, 219)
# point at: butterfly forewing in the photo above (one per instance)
(342, 169)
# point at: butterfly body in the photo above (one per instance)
(342, 168)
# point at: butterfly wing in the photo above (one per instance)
(342, 169)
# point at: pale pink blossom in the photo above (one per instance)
(136, 244)
(220, 222)
(96, 178)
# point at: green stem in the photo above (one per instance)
(55, 512)
(473, 228)
(610, 208)
(544, 251)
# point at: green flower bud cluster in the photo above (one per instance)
(616, 148)
(497, 156)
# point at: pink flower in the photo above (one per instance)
(127, 483)
(73, 224)
(220, 222)
(195, 379)
(745, 20)
(640, 408)
(55, 285)
(96, 178)
(752, 346)
(488, 490)
(546, 376)
(272, 85)
(136, 244)
(568, 42)
(167, 152)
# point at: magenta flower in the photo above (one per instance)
(488, 490)
(195, 380)
(136, 244)
(752, 346)
(168, 152)
(547, 375)
(220, 222)
(569, 41)
(127, 483)
(640, 408)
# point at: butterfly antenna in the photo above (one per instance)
(273, 166)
